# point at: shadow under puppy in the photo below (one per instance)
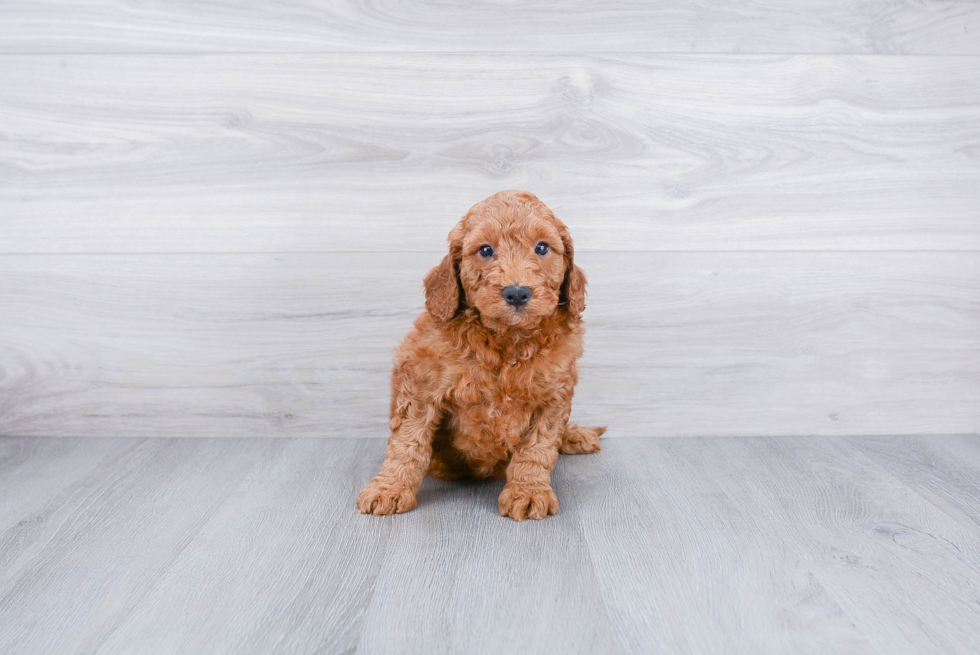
(482, 386)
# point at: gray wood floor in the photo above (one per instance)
(737, 545)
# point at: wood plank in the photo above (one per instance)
(285, 564)
(240, 153)
(894, 26)
(68, 577)
(678, 344)
(742, 344)
(757, 545)
(725, 532)
(684, 568)
(943, 469)
(459, 578)
(34, 470)
(901, 569)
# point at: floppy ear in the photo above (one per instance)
(572, 294)
(443, 290)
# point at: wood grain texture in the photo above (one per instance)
(34, 470)
(669, 544)
(678, 344)
(866, 532)
(860, 557)
(252, 153)
(80, 563)
(946, 472)
(285, 564)
(460, 579)
(758, 545)
(891, 26)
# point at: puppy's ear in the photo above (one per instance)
(572, 294)
(443, 291)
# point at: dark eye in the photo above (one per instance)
(541, 248)
(486, 251)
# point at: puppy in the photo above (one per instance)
(482, 386)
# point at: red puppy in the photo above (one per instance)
(482, 386)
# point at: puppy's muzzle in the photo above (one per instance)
(517, 296)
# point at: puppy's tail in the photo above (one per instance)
(577, 440)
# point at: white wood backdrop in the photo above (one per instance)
(214, 219)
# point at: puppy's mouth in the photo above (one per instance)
(504, 314)
(515, 305)
(520, 315)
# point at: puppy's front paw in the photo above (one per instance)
(380, 498)
(521, 502)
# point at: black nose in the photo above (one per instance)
(517, 296)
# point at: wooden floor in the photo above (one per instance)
(729, 545)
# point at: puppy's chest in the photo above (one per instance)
(501, 399)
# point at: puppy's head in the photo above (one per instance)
(510, 259)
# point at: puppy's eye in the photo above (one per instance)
(486, 251)
(541, 248)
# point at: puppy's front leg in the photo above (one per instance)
(528, 493)
(407, 458)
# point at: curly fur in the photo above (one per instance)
(479, 388)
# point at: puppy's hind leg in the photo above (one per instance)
(579, 441)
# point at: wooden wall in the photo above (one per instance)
(214, 220)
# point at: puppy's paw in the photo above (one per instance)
(380, 498)
(519, 501)
(580, 441)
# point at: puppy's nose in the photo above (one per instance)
(517, 296)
